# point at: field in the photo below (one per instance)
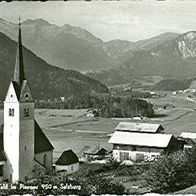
(72, 129)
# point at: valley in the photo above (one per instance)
(72, 129)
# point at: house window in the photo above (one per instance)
(124, 156)
(133, 148)
(11, 111)
(26, 112)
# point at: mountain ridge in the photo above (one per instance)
(46, 81)
(87, 52)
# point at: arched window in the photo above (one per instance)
(45, 160)
(11, 111)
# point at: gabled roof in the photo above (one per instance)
(140, 139)
(68, 157)
(188, 135)
(42, 144)
(17, 89)
(22, 90)
(93, 150)
(139, 127)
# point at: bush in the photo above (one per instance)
(57, 184)
(172, 172)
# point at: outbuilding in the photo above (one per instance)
(67, 162)
(92, 153)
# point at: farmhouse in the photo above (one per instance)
(25, 151)
(68, 162)
(139, 127)
(141, 146)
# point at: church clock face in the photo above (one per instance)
(26, 96)
(11, 97)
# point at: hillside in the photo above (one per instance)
(119, 48)
(46, 81)
(174, 58)
(168, 55)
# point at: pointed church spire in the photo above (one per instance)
(19, 75)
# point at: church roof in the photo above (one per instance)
(42, 144)
(17, 89)
(19, 82)
(19, 75)
(68, 157)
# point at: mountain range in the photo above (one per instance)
(113, 62)
(46, 81)
(71, 47)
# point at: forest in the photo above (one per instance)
(106, 105)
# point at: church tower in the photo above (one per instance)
(19, 123)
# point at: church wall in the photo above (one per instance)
(26, 146)
(11, 140)
(48, 158)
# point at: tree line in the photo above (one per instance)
(106, 105)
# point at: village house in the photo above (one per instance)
(139, 127)
(67, 163)
(92, 153)
(142, 146)
(25, 150)
(189, 135)
(189, 139)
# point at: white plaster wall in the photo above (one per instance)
(18, 138)
(11, 140)
(69, 168)
(133, 154)
(40, 158)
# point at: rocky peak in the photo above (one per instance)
(186, 45)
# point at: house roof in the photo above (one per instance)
(138, 127)
(93, 150)
(68, 157)
(188, 135)
(42, 144)
(140, 139)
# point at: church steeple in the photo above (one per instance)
(19, 75)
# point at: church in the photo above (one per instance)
(25, 151)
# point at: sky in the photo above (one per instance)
(128, 20)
